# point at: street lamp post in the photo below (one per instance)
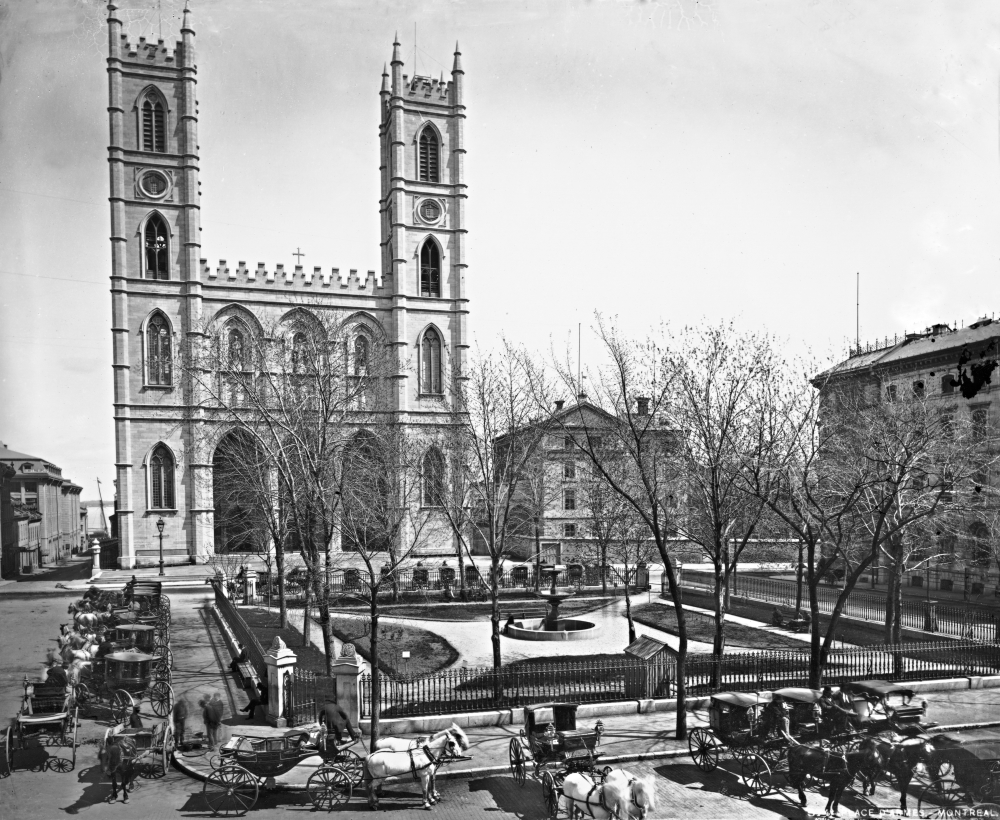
(159, 529)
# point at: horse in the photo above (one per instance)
(584, 796)
(900, 756)
(641, 792)
(421, 763)
(117, 758)
(839, 770)
(399, 744)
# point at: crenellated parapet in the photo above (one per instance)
(426, 89)
(297, 276)
(150, 53)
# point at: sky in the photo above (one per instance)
(673, 161)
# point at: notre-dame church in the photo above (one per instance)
(163, 292)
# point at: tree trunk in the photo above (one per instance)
(897, 620)
(376, 673)
(604, 569)
(682, 645)
(628, 608)
(462, 594)
(891, 587)
(495, 610)
(326, 627)
(282, 604)
(719, 639)
(798, 584)
(305, 617)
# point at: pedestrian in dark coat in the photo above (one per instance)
(258, 698)
(135, 719)
(180, 716)
(337, 722)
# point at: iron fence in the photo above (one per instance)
(479, 689)
(305, 693)
(965, 622)
(241, 630)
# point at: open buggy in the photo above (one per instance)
(47, 717)
(246, 765)
(883, 706)
(151, 747)
(964, 771)
(554, 748)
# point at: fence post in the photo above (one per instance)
(279, 659)
(347, 672)
(930, 617)
(95, 550)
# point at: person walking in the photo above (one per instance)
(180, 713)
(336, 720)
(211, 713)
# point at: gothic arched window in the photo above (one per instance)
(361, 351)
(433, 475)
(155, 241)
(430, 362)
(159, 357)
(430, 269)
(299, 353)
(154, 129)
(161, 479)
(428, 159)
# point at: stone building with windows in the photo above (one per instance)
(944, 365)
(46, 507)
(165, 296)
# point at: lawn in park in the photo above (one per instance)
(702, 628)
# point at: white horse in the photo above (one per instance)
(582, 796)
(400, 744)
(640, 792)
(422, 763)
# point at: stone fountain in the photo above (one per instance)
(552, 627)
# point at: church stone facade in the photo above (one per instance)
(165, 295)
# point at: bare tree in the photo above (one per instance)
(381, 523)
(625, 422)
(496, 487)
(295, 391)
(718, 373)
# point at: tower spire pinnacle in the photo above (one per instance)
(385, 79)
(396, 57)
(457, 65)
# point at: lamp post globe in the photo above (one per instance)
(159, 528)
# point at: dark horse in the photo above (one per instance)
(900, 756)
(117, 758)
(836, 769)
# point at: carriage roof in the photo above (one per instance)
(799, 694)
(876, 688)
(978, 747)
(741, 699)
(129, 657)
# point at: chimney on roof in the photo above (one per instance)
(581, 396)
(643, 406)
(560, 403)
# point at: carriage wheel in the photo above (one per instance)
(82, 694)
(939, 799)
(550, 794)
(121, 706)
(164, 653)
(352, 765)
(161, 697)
(756, 775)
(704, 752)
(329, 787)
(165, 751)
(160, 638)
(517, 767)
(160, 670)
(59, 764)
(230, 791)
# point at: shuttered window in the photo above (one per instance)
(430, 269)
(429, 156)
(153, 126)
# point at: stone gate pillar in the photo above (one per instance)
(95, 550)
(347, 671)
(279, 659)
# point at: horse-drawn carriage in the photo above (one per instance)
(881, 706)
(964, 771)
(554, 748)
(124, 678)
(47, 717)
(246, 765)
(149, 746)
(734, 728)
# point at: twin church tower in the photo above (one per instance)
(164, 294)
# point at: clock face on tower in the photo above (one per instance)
(429, 210)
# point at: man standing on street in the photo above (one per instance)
(336, 720)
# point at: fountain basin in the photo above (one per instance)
(565, 629)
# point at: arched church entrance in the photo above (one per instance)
(239, 487)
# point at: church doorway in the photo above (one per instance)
(239, 485)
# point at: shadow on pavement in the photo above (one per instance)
(97, 789)
(522, 801)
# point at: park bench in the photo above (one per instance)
(524, 613)
(246, 675)
(789, 621)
